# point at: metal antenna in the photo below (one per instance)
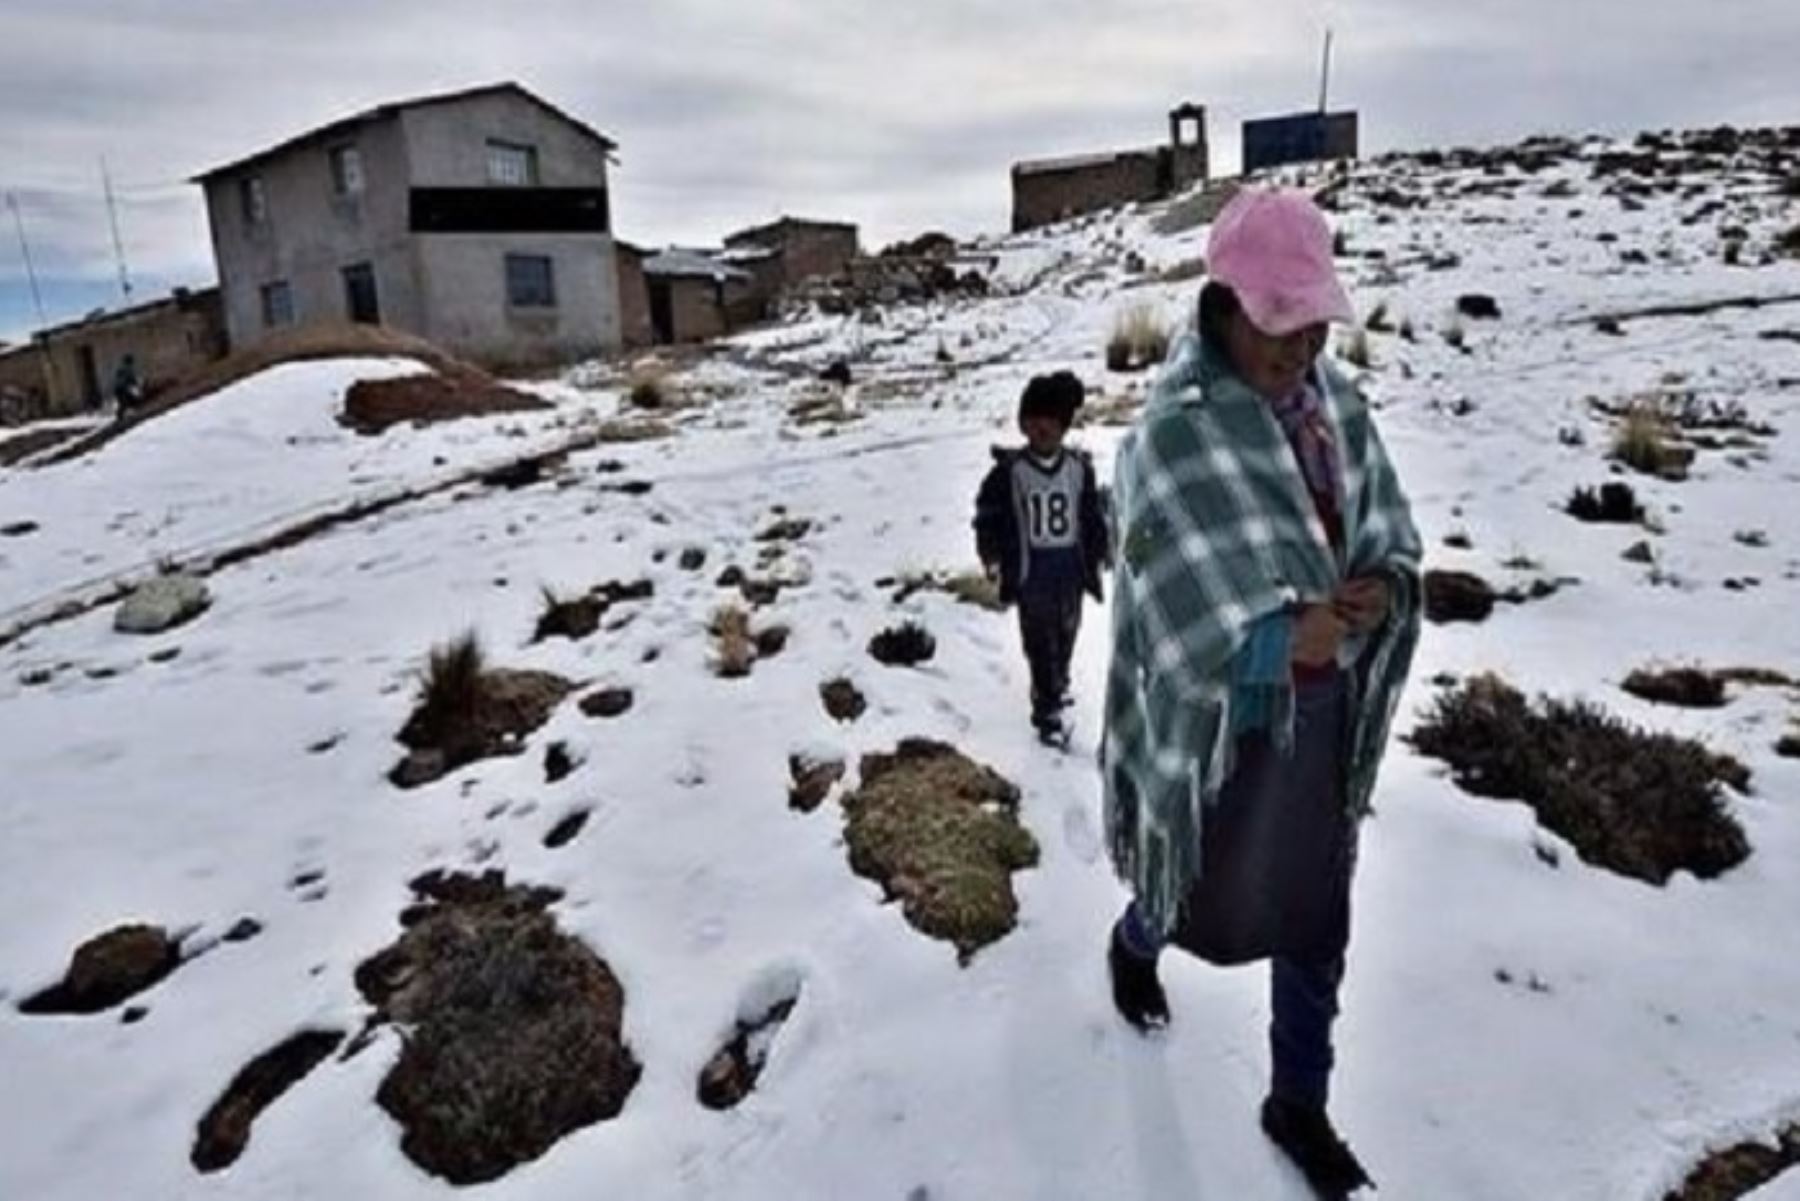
(112, 213)
(1325, 73)
(37, 300)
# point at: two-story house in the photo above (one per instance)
(477, 219)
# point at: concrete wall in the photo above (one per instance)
(312, 234)
(447, 143)
(464, 295)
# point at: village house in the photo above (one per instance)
(70, 368)
(1049, 190)
(478, 219)
(802, 249)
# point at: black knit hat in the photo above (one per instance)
(1057, 395)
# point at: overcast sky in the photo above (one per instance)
(901, 115)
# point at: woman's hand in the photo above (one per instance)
(1362, 603)
(1318, 631)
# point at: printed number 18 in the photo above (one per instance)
(1049, 515)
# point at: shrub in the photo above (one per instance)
(1139, 339)
(903, 646)
(734, 649)
(1641, 804)
(649, 390)
(450, 689)
(1642, 443)
(1689, 687)
(1613, 503)
(1354, 349)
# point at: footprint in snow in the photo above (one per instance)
(1079, 834)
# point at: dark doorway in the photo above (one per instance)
(359, 294)
(90, 378)
(662, 311)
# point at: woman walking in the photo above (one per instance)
(1265, 614)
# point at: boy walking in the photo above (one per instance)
(1040, 531)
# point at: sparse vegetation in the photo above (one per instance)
(734, 650)
(1378, 321)
(1455, 335)
(1182, 270)
(224, 1130)
(970, 586)
(1788, 243)
(467, 710)
(1139, 340)
(1642, 442)
(1354, 349)
(1689, 687)
(649, 390)
(1613, 503)
(1642, 804)
(903, 646)
(940, 834)
(1740, 1170)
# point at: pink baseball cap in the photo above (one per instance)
(1273, 248)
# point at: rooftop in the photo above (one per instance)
(382, 112)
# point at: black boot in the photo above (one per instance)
(1304, 1133)
(1137, 992)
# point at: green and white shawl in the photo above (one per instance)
(1217, 530)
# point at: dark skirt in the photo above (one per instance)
(1278, 848)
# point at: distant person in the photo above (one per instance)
(1265, 611)
(128, 386)
(1040, 531)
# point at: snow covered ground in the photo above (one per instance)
(1665, 1021)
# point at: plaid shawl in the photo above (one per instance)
(1217, 530)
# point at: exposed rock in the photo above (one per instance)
(837, 373)
(162, 603)
(558, 762)
(1478, 306)
(1688, 687)
(1614, 502)
(108, 969)
(608, 702)
(488, 715)
(1639, 552)
(693, 558)
(813, 780)
(243, 930)
(224, 1131)
(18, 529)
(566, 829)
(1457, 596)
(731, 1075)
(842, 700)
(514, 1029)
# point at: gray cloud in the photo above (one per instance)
(899, 116)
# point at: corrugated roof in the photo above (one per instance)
(679, 263)
(383, 111)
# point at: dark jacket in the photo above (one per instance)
(999, 525)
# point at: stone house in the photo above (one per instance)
(1046, 191)
(692, 293)
(70, 368)
(803, 249)
(477, 219)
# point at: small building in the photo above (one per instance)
(1299, 138)
(478, 219)
(635, 328)
(803, 249)
(1046, 191)
(691, 294)
(70, 368)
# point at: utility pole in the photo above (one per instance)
(1325, 74)
(112, 214)
(37, 300)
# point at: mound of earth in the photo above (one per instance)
(940, 833)
(108, 969)
(1641, 804)
(371, 406)
(480, 713)
(513, 1028)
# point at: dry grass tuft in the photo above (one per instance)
(1642, 441)
(1139, 340)
(734, 647)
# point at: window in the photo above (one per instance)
(346, 171)
(277, 304)
(253, 200)
(530, 281)
(511, 165)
